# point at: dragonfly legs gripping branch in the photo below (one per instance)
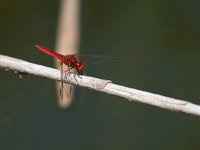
(71, 62)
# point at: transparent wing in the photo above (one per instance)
(93, 59)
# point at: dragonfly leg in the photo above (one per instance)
(77, 76)
(68, 71)
(61, 73)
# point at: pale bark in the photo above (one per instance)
(106, 86)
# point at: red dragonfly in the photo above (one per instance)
(71, 61)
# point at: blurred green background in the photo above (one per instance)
(157, 44)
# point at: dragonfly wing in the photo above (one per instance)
(93, 59)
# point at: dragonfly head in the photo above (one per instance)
(80, 66)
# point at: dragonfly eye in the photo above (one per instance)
(80, 66)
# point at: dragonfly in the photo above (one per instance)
(71, 61)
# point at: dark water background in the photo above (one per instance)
(157, 44)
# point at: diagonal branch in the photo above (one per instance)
(106, 86)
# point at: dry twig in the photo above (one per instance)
(105, 86)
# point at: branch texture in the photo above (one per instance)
(106, 86)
